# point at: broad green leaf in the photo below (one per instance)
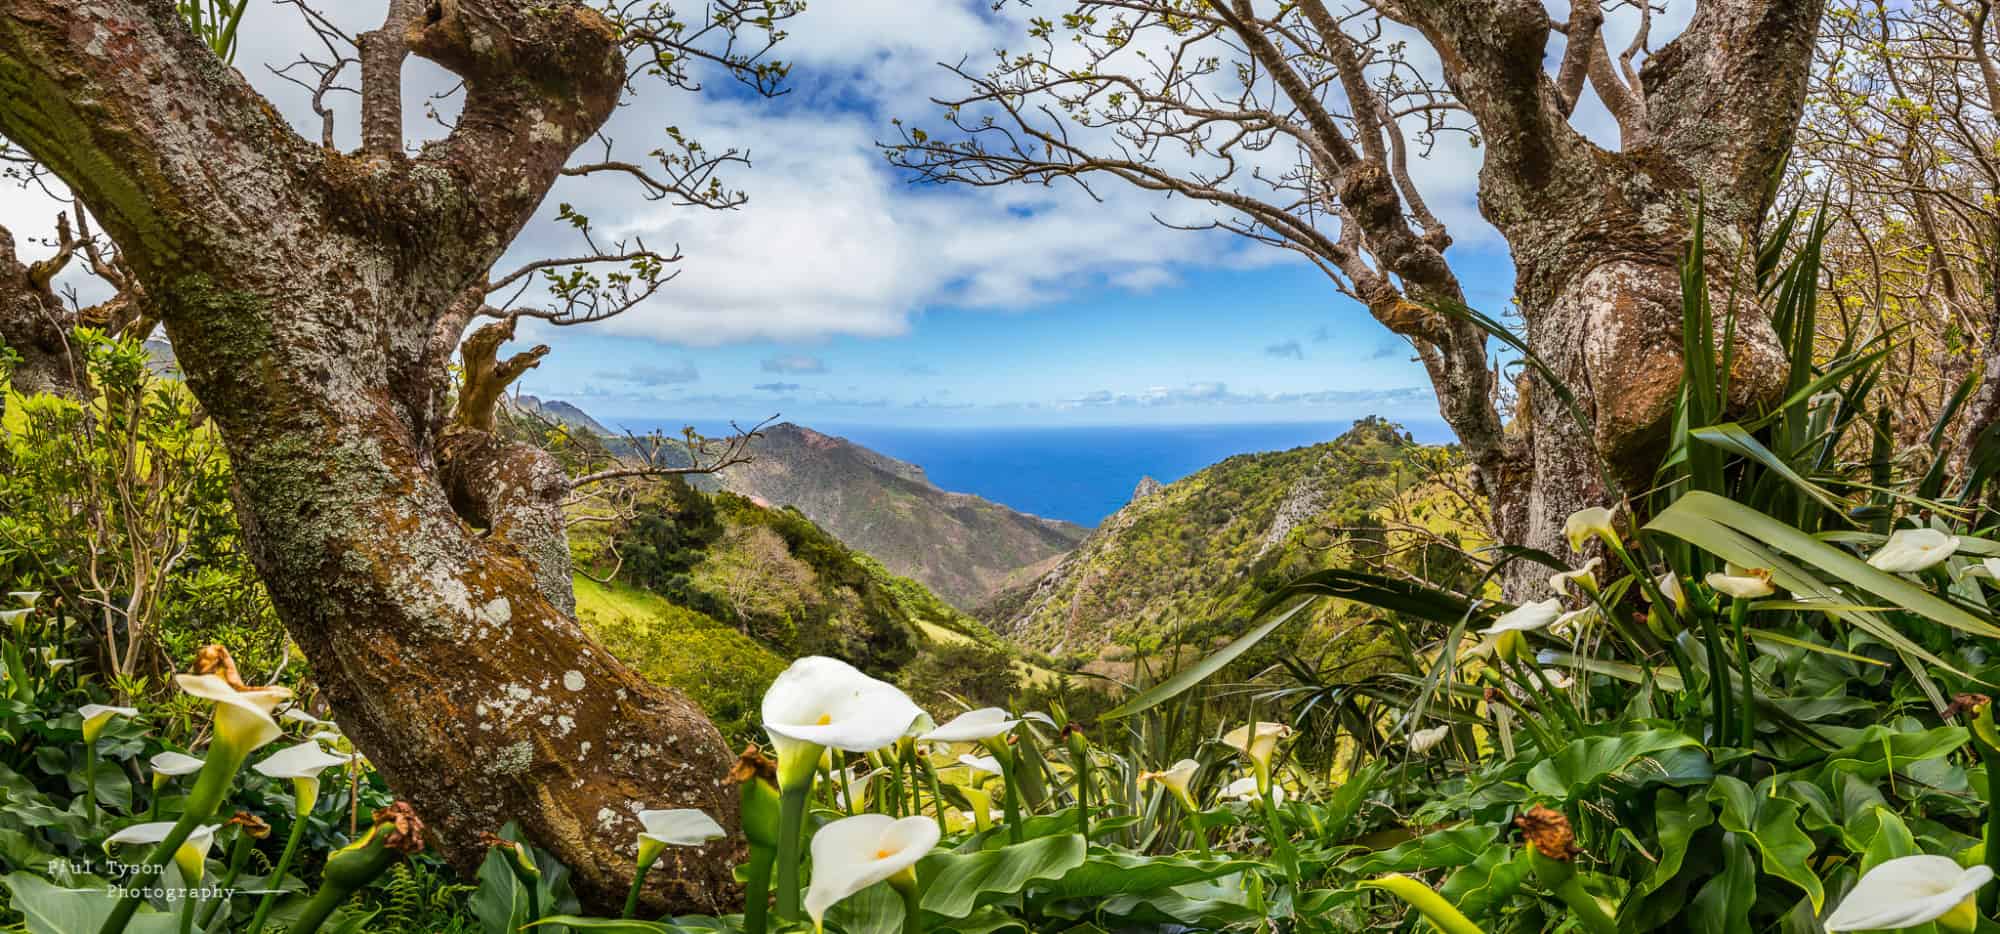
(956, 883)
(1453, 846)
(1649, 757)
(1771, 824)
(1105, 873)
(1676, 818)
(1723, 904)
(50, 909)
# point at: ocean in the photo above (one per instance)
(1083, 474)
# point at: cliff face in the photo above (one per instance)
(961, 546)
(1203, 552)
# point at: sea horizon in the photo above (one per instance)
(1075, 473)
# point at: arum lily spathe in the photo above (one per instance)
(1258, 742)
(1911, 550)
(854, 853)
(302, 764)
(98, 716)
(242, 717)
(1909, 891)
(986, 764)
(1423, 741)
(974, 726)
(677, 827)
(1585, 577)
(1527, 617)
(190, 858)
(1245, 789)
(1669, 585)
(1176, 778)
(1742, 583)
(1576, 619)
(175, 764)
(27, 598)
(1583, 524)
(824, 703)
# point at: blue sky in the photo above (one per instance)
(844, 294)
(1272, 343)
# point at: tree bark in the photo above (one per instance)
(302, 289)
(1598, 236)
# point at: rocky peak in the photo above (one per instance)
(1147, 487)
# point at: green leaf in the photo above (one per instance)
(1689, 519)
(1199, 671)
(1723, 904)
(1772, 825)
(956, 883)
(1105, 873)
(1649, 757)
(608, 925)
(50, 909)
(1676, 818)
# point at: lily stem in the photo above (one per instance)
(913, 903)
(239, 855)
(90, 781)
(1012, 799)
(791, 830)
(757, 891)
(632, 895)
(1738, 609)
(277, 880)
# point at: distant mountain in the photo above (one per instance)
(959, 545)
(1201, 554)
(561, 412)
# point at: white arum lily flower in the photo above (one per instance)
(242, 718)
(297, 714)
(1585, 577)
(1742, 583)
(1423, 741)
(986, 764)
(854, 785)
(1909, 891)
(1576, 619)
(1245, 789)
(1911, 550)
(192, 857)
(1176, 779)
(1558, 678)
(14, 617)
(302, 764)
(1584, 523)
(824, 703)
(1990, 567)
(678, 827)
(27, 597)
(1258, 742)
(98, 716)
(854, 853)
(1527, 617)
(974, 726)
(51, 662)
(174, 765)
(1670, 587)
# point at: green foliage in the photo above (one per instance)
(978, 674)
(118, 508)
(721, 669)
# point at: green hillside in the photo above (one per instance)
(710, 592)
(1198, 556)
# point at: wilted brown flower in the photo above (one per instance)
(1548, 832)
(407, 829)
(214, 659)
(753, 764)
(1071, 728)
(252, 825)
(1966, 703)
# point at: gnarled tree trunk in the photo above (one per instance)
(303, 289)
